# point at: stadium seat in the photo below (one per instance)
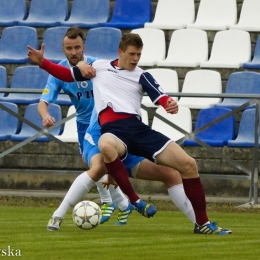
(244, 82)
(230, 49)
(217, 134)
(70, 132)
(3, 81)
(13, 44)
(27, 77)
(103, 42)
(44, 13)
(246, 130)
(249, 19)
(167, 78)
(88, 14)
(255, 63)
(215, 15)
(181, 119)
(130, 14)
(53, 40)
(11, 11)
(154, 48)
(188, 47)
(204, 82)
(8, 124)
(32, 115)
(172, 14)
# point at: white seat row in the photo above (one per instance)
(189, 48)
(213, 15)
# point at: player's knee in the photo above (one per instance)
(190, 167)
(106, 145)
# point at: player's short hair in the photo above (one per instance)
(130, 39)
(73, 32)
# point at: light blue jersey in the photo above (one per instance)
(80, 93)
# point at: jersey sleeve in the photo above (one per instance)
(61, 72)
(151, 87)
(51, 90)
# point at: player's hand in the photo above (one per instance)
(48, 121)
(109, 181)
(35, 56)
(172, 106)
(86, 70)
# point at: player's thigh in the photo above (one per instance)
(150, 171)
(97, 167)
(109, 143)
(175, 157)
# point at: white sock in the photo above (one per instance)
(180, 199)
(81, 185)
(103, 192)
(119, 198)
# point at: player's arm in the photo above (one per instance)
(56, 70)
(47, 119)
(157, 94)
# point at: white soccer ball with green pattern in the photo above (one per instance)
(86, 215)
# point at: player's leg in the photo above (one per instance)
(175, 157)
(147, 170)
(79, 188)
(112, 149)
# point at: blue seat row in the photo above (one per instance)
(10, 127)
(85, 14)
(27, 77)
(102, 42)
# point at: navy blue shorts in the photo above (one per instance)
(139, 138)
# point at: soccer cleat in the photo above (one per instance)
(147, 210)
(54, 223)
(107, 209)
(123, 215)
(211, 228)
(223, 229)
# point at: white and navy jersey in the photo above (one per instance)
(121, 89)
(80, 93)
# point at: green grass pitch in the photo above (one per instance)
(168, 235)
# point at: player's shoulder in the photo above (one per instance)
(90, 59)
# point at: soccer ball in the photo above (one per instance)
(86, 215)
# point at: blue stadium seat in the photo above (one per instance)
(8, 124)
(218, 134)
(3, 80)
(88, 14)
(130, 14)
(11, 11)
(27, 77)
(245, 82)
(255, 63)
(103, 42)
(32, 115)
(46, 13)
(246, 131)
(53, 38)
(13, 44)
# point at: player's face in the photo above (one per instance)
(73, 50)
(129, 58)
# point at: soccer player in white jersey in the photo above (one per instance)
(118, 89)
(82, 98)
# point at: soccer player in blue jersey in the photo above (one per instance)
(118, 89)
(81, 95)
